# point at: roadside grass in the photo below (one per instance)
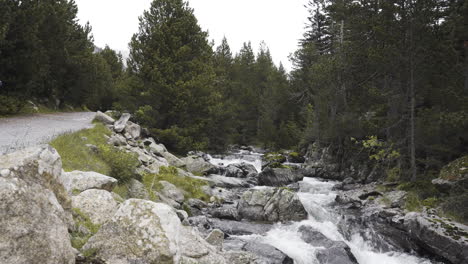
(106, 160)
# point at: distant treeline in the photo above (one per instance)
(390, 75)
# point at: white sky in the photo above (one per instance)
(280, 23)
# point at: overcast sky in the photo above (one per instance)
(280, 23)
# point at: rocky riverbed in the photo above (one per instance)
(256, 212)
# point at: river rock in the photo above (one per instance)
(172, 192)
(240, 170)
(227, 182)
(34, 208)
(216, 238)
(120, 124)
(197, 165)
(267, 254)
(147, 232)
(99, 205)
(228, 212)
(279, 176)
(134, 130)
(271, 205)
(439, 236)
(172, 159)
(81, 181)
(333, 252)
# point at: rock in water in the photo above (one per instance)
(103, 118)
(271, 205)
(82, 181)
(333, 252)
(279, 177)
(119, 125)
(147, 232)
(198, 165)
(34, 209)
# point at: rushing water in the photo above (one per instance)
(317, 197)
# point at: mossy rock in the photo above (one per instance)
(455, 170)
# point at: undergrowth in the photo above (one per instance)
(107, 160)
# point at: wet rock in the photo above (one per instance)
(279, 176)
(205, 224)
(334, 252)
(271, 205)
(295, 157)
(172, 192)
(103, 118)
(99, 205)
(241, 170)
(120, 124)
(268, 254)
(79, 181)
(196, 203)
(147, 232)
(34, 209)
(134, 130)
(227, 182)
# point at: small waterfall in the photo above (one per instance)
(317, 196)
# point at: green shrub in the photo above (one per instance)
(413, 203)
(122, 164)
(10, 105)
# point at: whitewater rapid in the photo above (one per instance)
(317, 196)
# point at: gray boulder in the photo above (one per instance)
(279, 176)
(198, 165)
(103, 118)
(227, 182)
(147, 232)
(333, 252)
(81, 181)
(216, 238)
(267, 254)
(271, 205)
(99, 205)
(439, 236)
(117, 140)
(228, 212)
(170, 191)
(137, 190)
(120, 124)
(134, 130)
(35, 209)
(172, 159)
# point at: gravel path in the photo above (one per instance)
(26, 131)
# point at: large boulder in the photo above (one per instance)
(198, 165)
(34, 209)
(271, 205)
(172, 159)
(279, 176)
(103, 118)
(120, 124)
(99, 205)
(263, 253)
(147, 232)
(240, 170)
(117, 140)
(81, 181)
(330, 252)
(134, 130)
(439, 236)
